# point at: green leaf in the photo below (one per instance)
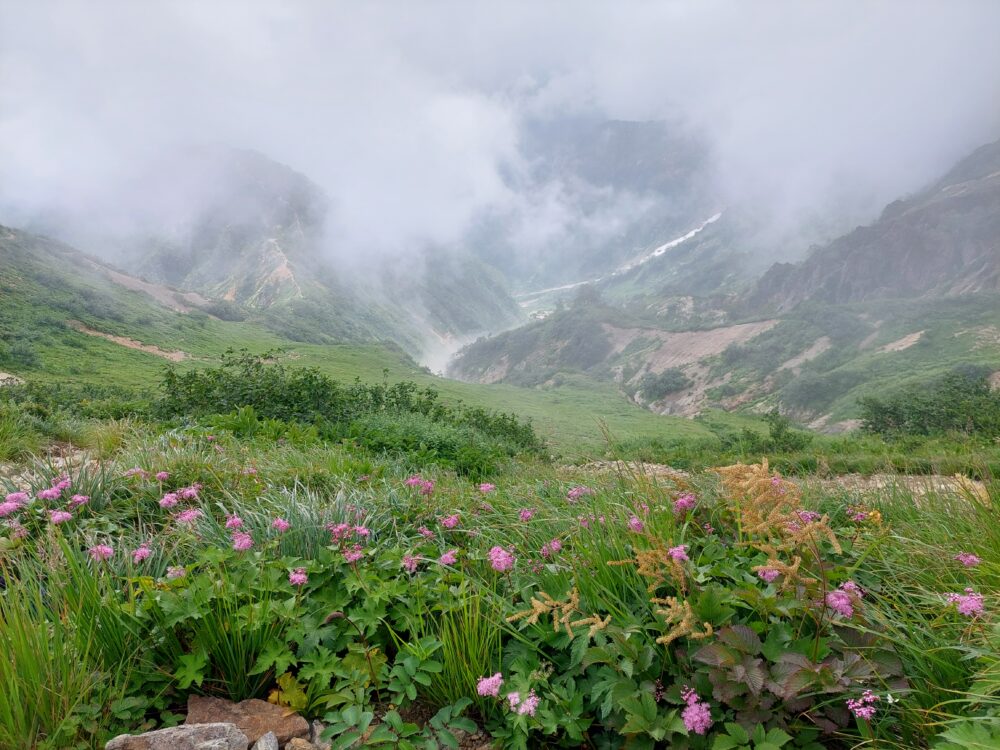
(191, 669)
(737, 732)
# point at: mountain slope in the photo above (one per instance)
(943, 241)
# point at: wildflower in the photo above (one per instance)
(575, 493)
(353, 554)
(551, 548)
(140, 553)
(281, 525)
(853, 589)
(863, 707)
(414, 481)
(529, 705)
(298, 577)
(634, 524)
(840, 602)
(697, 716)
(162, 476)
(808, 516)
(362, 531)
(210, 438)
(857, 514)
(17, 531)
(969, 604)
(968, 559)
(233, 522)
(410, 563)
(768, 575)
(684, 503)
(176, 572)
(709, 529)
(678, 553)
(189, 493)
(242, 541)
(486, 488)
(425, 532)
(169, 500)
(136, 472)
(52, 493)
(18, 498)
(77, 500)
(501, 559)
(449, 558)
(188, 516)
(490, 686)
(659, 692)
(450, 522)
(101, 552)
(7, 507)
(526, 514)
(59, 516)
(426, 487)
(249, 471)
(513, 699)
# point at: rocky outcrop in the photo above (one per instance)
(214, 736)
(255, 718)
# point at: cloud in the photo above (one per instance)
(411, 116)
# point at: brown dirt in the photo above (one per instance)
(918, 486)
(819, 346)
(7, 378)
(900, 344)
(676, 349)
(171, 298)
(173, 356)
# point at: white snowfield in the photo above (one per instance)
(656, 253)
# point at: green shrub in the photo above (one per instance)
(657, 386)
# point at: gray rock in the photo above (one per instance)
(300, 744)
(215, 736)
(268, 742)
(316, 735)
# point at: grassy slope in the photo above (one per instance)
(40, 294)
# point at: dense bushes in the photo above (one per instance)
(961, 401)
(656, 386)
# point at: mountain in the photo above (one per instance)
(943, 241)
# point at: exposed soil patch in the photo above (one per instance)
(918, 486)
(174, 356)
(679, 348)
(171, 298)
(900, 344)
(7, 379)
(819, 346)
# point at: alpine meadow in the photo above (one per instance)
(520, 375)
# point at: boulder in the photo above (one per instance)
(268, 742)
(254, 717)
(208, 736)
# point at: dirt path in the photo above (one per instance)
(175, 356)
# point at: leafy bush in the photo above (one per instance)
(657, 386)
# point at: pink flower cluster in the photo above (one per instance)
(410, 563)
(242, 541)
(524, 706)
(13, 503)
(140, 553)
(341, 532)
(678, 553)
(450, 522)
(968, 559)
(526, 514)
(844, 599)
(426, 486)
(486, 488)
(575, 493)
(489, 687)
(298, 577)
(768, 575)
(969, 604)
(697, 715)
(353, 554)
(863, 707)
(551, 548)
(635, 525)
(500, 559)
(100, 552)
(280, 525)
(684, 503)
(449, 558)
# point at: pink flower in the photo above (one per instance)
(53, 493)
(101, 552)
(635, 525)
(233, 522)
(281, 525)
(527, 706)
(490, 686)
(808, 516)
(77, 500)
(968, 559)
(141, 553)
(526, 514)
(684, 503)
(410, 563)
(697, 716)
(450, 522)
(426, 487)
(169, 500)
(353, 554)
(449, 558)
(486, 488)
(863, 707)
(414, 481)
(188, 516)
(551, 548)
(840, 602)
(425, 532)
(501, 559)
(18, 498)
(176, 572)
(242, 541)
(189, 493)
(768, 575)
(678, 553)
(513, 699)
(17, 531)
(969, 604)
(249, 471)
(136, 472)
(362, 531)
(575, 493)
(7, 507)
(162, 476)
(298, 577)
(59, 516)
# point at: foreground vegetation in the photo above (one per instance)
(278, 550)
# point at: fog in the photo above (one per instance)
(411, 116)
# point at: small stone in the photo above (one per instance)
(299, 744)
(268, 742)
(208, 736)
(316, 735)
(254, 717)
